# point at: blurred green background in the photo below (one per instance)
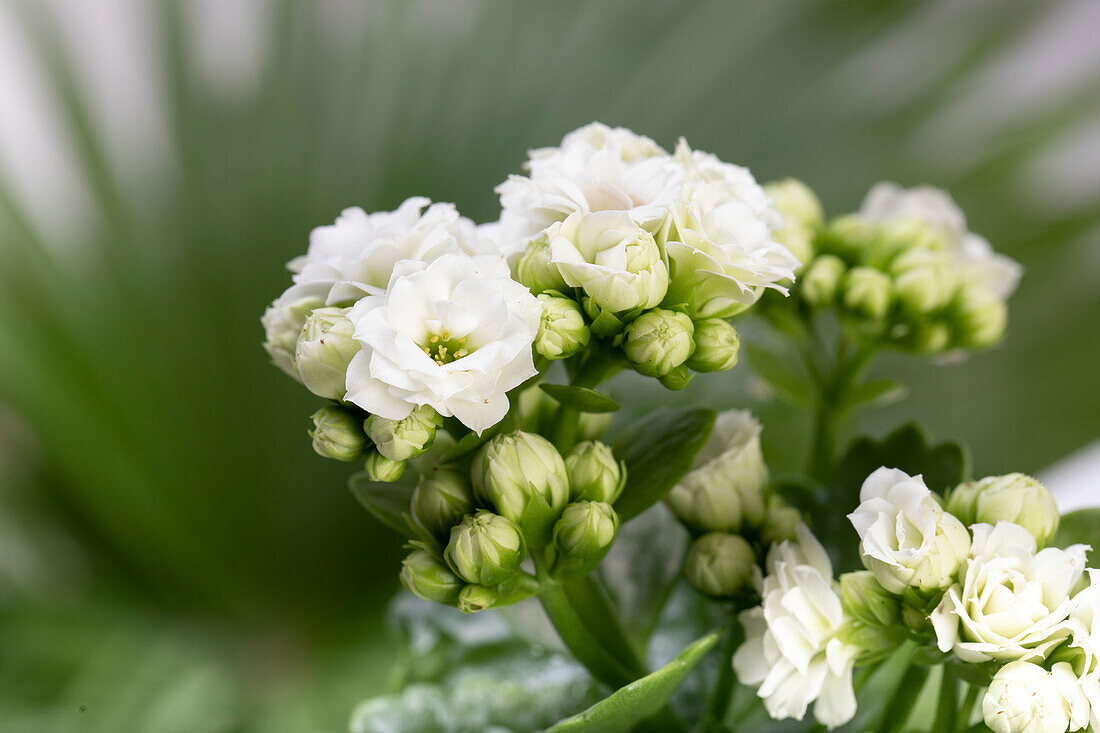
(173, 556)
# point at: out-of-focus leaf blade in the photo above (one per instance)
(580, 398)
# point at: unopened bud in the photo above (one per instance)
(980, 317)
(594, 473)
(933, 337)
(847, 237)
(925, 280)
(562, 330)
(337, 434)
(425, 576)
(716, 346)
(677, 379)
(400, 440)
(821, 280)
(719, 564)
(593, 425)
(868, 293)
(474, 598)
(658, 341)
(780, 521)
(440, 501)
(583, 536)
(283, 321)
(796, 202)
(324, 350)
(382, 469)
(485, 549)
(514, 469)
(535, 270)
(866, 600)
(895, 238)
(1015, 497)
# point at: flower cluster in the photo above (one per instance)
(905, 271)
(650, 251)
(518, 498)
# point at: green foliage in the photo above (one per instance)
(640, 699)
(909, 448)
(581, 399)
(658, 450)
(783, 373)
(1081, 526)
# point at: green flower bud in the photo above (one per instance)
(658, 341)
(821, 280)
(426, 577)
(925, 280)
(874, 642)
(514, 469)
(847, 237)
(400, 440)
(979, 316)
(337, 434)
(441, 499)
(485, 548)
(719, 564)
(893, 238)
(724, 491)
(283, 321)
(867, 601)
(594, 473)
(779, 522)
(562, 330)
(324, 350)
(716, 346)
(677, 379)
(583, 536)
(1015, 497)
(926, 338)
(380, 468)
(867, 293)
(535, 270)
(796, 202)
(474, 598)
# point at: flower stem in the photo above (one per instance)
(595, 610)
(581, 641)
(720, 696)
(947, 707)
(967, 709)
(904, 698)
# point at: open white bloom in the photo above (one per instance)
(791, 647)
(596, 168)
(1026, 698)
(721, 251)
(887, 201)
(906, 538)
(728, 182)
(454, 334)
(1084, 646)
(1013, 601)
(356, 255)
(612, 258)
(724, 490)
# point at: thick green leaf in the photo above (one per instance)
(943, 465)
(640, 699)
(658, 449)
(790, 382)
(580, 398)
(880, 393)
(389, 503)
(1081, 526)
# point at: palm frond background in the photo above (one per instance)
(178, 559)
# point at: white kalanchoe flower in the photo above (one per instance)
(887, 201)
(1026, 698)
(356, 255)
(721, 253)
(596, 168)
(454, 334)
(791, 646)
(724, 490)
(613, 259)
(1083, 651)
(1013, 602)
(906, 538)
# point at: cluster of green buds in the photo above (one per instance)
(623, 307)
(519, 499)
(916, 282)
(346, 433)
(724, 501)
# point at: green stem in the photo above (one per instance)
(967, 709)
(563, 434)
(947, 708)
(596, 612)
(830, 407)
(580, 640)
(904, 698)
(719, 703)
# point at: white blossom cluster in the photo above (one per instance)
(997, 597)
